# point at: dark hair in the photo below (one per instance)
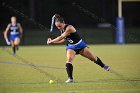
(58, 18)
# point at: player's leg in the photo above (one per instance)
(69, 67)
(12, 40)
(13, 47)
(17, 42)
(88, 54)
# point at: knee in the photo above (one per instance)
(69, 59)
(17, 41)
(16, 44)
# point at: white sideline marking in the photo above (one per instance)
(90, 91)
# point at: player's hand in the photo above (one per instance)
(49, 41)
(7, 41)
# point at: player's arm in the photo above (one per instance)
(6, 31)
(61, 41)
(20, 29)
(59, 38)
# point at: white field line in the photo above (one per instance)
(91, 91)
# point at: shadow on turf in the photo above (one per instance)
(122, 79)
(34, 67)
(111, 80)
(27, 65)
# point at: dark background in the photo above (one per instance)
(85, 15)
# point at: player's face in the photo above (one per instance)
(59, 25)
(13, 19)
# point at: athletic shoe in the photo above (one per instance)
(107, 68)
(69, 81)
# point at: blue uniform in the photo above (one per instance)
(14, 31)
(74, 41)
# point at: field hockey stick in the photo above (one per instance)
(52, 25)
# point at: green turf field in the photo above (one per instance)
(33, 67)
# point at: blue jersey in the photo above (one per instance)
(14, 31)
(74, 42)
(72, 38)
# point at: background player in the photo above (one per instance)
(16, 32)
(75, 46)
